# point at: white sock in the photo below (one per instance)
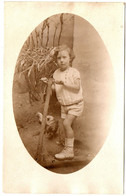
(69, 142)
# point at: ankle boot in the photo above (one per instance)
(68, 151)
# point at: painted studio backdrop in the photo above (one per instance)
(37, 60)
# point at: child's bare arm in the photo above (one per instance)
(75, 86)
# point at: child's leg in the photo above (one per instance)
(68, 151)
(69, 133)
(69, 114)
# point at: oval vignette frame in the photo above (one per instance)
(92, 61)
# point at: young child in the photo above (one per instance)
(67, 84)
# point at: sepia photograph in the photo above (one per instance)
(63, 76)
(63, 93)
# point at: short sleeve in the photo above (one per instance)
(76, 74)
(55, 74)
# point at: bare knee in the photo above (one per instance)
(66, 123)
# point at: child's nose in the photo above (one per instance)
(61, 59)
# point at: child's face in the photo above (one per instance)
(63, 60)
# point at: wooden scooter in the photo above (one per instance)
(41, 151)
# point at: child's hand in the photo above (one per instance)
(45, 80)
(53, 87)
(59, 82)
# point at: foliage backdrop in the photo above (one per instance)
(36, 59)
